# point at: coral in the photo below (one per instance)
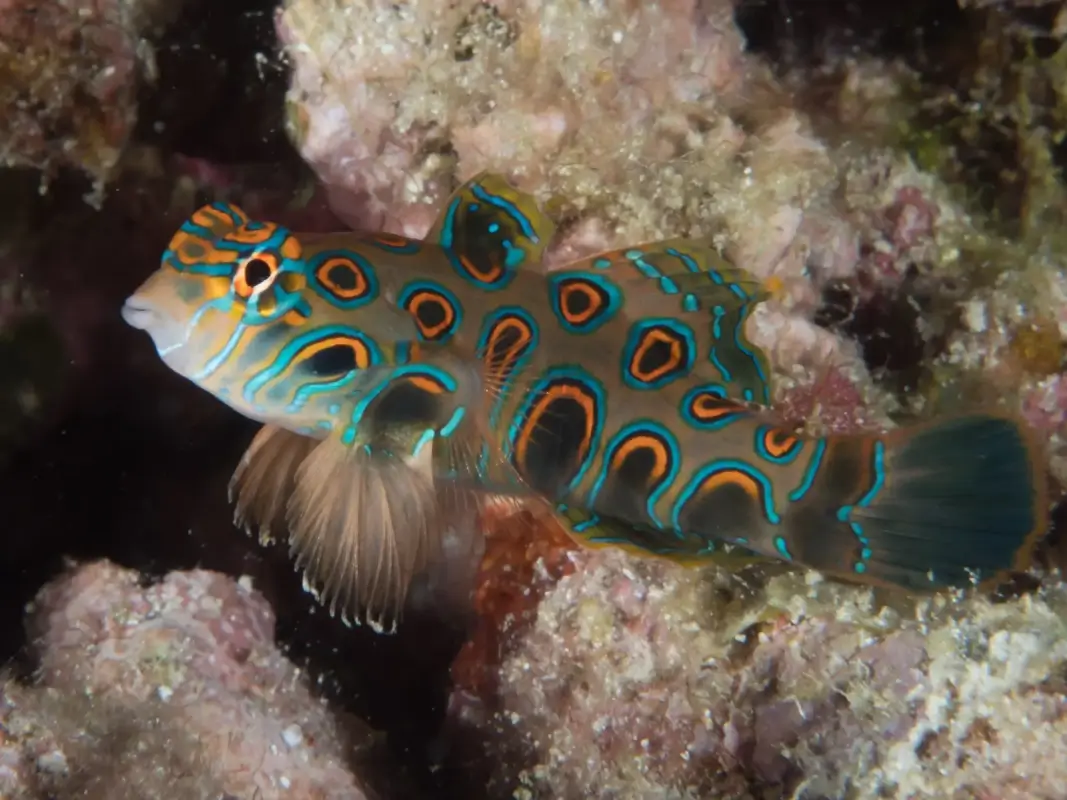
(189, 661)
(641, 678)
(525, 553)
(62, 745)
(69, 74)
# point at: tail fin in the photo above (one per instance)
(957, 502)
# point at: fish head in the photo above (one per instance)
(221, 275)
(230, 308)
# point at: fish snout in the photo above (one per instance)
(168, 334)
(140, 313)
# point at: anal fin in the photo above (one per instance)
(595, 530)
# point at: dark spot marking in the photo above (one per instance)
(432, 314)
(342, 277)
(577, 304)
(404, 403)
(555, 446)
(337, 359)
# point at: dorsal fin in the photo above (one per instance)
(489, 229)
(688, 279)
(742, 368)
(690, 272)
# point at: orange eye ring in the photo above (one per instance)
(255, 275)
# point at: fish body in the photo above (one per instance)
(400, 378)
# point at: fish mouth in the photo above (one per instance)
(168, 335)
(139, 313)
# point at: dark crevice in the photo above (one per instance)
(220, 92)
(802, 33)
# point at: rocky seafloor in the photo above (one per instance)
(898, 170)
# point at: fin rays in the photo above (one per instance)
(361, 524)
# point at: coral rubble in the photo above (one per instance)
(69, 76)
(174, 689)
(643, 679)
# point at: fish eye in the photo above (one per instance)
(256, 271)
(255, 275)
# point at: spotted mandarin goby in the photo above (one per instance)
(399, 380)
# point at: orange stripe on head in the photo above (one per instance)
(193, 250)
(213, 219)
(294, 318)
(291, 248)
(252, 235)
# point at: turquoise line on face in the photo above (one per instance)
(286, 355)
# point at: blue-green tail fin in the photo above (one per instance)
(953, 503)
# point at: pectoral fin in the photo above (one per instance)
(265, 478)
(362, 520)
(362, 525)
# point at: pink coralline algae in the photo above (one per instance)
(643, 679)
(195, 650)
(69, 74)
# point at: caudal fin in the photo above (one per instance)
(953, 503)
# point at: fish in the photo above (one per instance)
(401, 381)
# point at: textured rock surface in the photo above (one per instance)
(642, 679)
(69, 75)
(174, 689)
